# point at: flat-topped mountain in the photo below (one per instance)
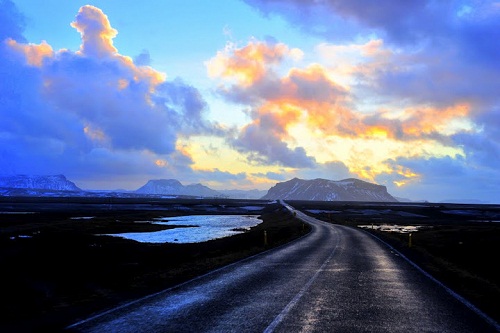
(53, 182)
(350, 189)
(174, 187)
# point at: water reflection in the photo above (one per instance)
(402, 229)
(202, 228)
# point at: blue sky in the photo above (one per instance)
(247, 93)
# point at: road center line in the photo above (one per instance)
(279, 318)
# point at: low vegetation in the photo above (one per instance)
(57, 270)
(457, 244)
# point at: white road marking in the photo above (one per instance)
(279, 318)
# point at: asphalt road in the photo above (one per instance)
(335, 279)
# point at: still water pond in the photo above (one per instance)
(201, 228)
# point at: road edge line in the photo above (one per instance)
(144, 298)
(460, 298)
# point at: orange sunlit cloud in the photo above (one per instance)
(161, 163)
(109, 95)
(325, 103)
(97, 42)
(94, 133)
(34, 53)
(310, 96)
(96, 31)
(249, 64)
(426, 120)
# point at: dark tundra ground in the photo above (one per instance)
(457, 244)
(56, 270)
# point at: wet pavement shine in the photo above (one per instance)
(335, 279)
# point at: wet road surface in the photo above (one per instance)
(336, 279)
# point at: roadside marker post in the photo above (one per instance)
(265, 238)
(409, 239)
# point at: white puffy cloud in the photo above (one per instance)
(93, 113)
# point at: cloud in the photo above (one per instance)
(438, 47)
(402, 23)
(262, 139)
(420, 72)
(35, 54)
(310, 98)
(483, 148)
(96, 31)
(272, 175)
(13, 22)
(221, 176)
(93, 111)
(250, 71)
(335, 170)
(447, 178)
(251, 63)
(143, 59)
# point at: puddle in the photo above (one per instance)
(321, 211)
(402, 229)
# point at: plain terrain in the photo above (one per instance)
(458, 244)
(57, 269)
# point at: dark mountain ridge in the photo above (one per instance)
(319, 189)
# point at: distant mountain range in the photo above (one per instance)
(55, 183)
(295, 189)
(59, 186)
(244, 194)
(329, 190)
(174, 187)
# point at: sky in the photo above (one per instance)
(245, 94)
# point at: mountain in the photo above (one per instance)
(37, 183)
(466, 201)
(174, 187)
(403, 199)
(329, 190)
(243, 194)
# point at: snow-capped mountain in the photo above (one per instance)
(54, 183)
(329, 190)
(174, 187)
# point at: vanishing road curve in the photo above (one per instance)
(335, 279)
